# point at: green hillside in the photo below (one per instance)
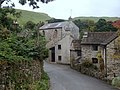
(36, 17)
(31, 16)
(97, 18)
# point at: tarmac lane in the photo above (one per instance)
(62, 77)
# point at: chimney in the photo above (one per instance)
(70, 18)
(85, 35)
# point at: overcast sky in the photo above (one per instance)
(63, 9)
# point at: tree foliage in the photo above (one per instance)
(53, 20)
(15, 47)
(85, 25)
(5, 20)
(29, 25)
(21, 56)
(32, 3)
(100, 26)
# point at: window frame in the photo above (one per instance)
(95, 47)
(78, 53)
(94, 60)
(59, 47)
(59, 58)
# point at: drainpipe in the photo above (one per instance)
(105, 60)
(61, 33)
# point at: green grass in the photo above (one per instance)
(31, 16)
(97, 18)
(36, 17)
(43, 84)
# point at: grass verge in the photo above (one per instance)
(43, 84)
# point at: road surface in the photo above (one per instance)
(62, 77)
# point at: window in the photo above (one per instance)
(95, 47)
(94, 60)
(78, 53)
(59, 47)
(59, 58)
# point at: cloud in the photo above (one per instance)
(62, 8)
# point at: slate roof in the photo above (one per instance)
(54, 25)
(111, 38)
(102, 38)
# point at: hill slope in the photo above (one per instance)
(36, 17)
(97, 18)
(31, 16)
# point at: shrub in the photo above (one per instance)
(116, 82)
(87, 64)
(43, 84)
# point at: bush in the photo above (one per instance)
(116, 82)
(89, 68)
(87, 64)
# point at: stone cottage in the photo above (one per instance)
(59, 37)
(105, 43)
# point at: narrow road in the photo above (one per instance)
(62, 77)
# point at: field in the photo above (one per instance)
(31, 16)
(97, 18)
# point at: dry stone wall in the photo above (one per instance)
(15, 75)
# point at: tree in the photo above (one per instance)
(102, 26)
(32, 3)
(5, 20)
(87, 25)
(53, 20)
(12, 42)
(17, 46)
(18, 53)
(30, 25)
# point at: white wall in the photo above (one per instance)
(65, 50)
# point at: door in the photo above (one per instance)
(52, 54)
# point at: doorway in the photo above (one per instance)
(52, 54)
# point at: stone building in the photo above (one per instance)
(105, 43)
(59, 37)
(75, 52)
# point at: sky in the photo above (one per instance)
(63, 9)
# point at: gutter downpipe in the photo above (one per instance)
(105, 60)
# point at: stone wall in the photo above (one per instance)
(88, 68)
(113, 65)
(18, 75)
(74, 57)
(87, 52)
(53, 36)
